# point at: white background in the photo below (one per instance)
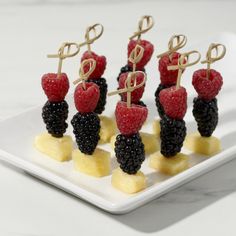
(30, 30)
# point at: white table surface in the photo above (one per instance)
(30, 30)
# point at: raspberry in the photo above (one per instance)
(129, 152)
(100, 64)
(157, 100)
(125, 69)
(207, 88)
(137, 93)
(172, 136)
(86, 100)
(102, 84)
(54, 116)
(86, 130)
(55, 88)
(168, 77)
(148, 51)
(130, 120)
(206, 115)
(174, 102)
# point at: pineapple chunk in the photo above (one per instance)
(156, 128)
(169, 166)
(108, 129)
(112, 141)
(203, 145)
(150, 141)
(128, 183)
(97, 164)
(59, 149)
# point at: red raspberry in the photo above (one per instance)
(207, 88)
(100, 64)
(148, 51)
(55, 88)
(174, 102)
(130, 120)
(86, 99)
(168, 77)
(137, 93)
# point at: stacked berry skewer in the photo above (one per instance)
(168, 78)
(88, 158)
(146, 45)
(55, 111)
(129, 148)
(207, 83)
(108, 128)
(136, 55)
(173, 130)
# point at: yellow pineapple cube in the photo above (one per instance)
(97, 164)
(128, 183)
(108, 129)
(203, 145)
(59, 149)
(170, 165)
(156, 128)
(150, 141)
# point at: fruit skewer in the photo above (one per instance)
(108, 127)
(88, 158)
(129, 148)
(148, 46)
(207, 83)
(173, 130)
(55, 110)
(150, 143)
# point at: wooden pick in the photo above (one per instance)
(148, 20)
(129, 88)
(97, 33)
(181, 65)
(211, 59)
(136, 55)
(83, 76)
(175, 43)
(62, 55)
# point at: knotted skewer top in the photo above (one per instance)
(97, 30)
(62, 55)
(210, 59)
(183, 62)
(175, 43)
(129, 88)
(136, 55)
(148, 20)
(83, 76)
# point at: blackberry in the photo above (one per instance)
(101, 82)
(86, 131)
(125, 69)
(54, 116)
(160, 109)
(129, 152)
(206, 115)
(172, 136)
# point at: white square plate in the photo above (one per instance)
(17, 137)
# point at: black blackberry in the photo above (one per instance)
(125, 69)
(206, 115)
(129, 152)
(86, 131)
(158, 104)
(172, 135)
(54, 116)
(101, 82)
